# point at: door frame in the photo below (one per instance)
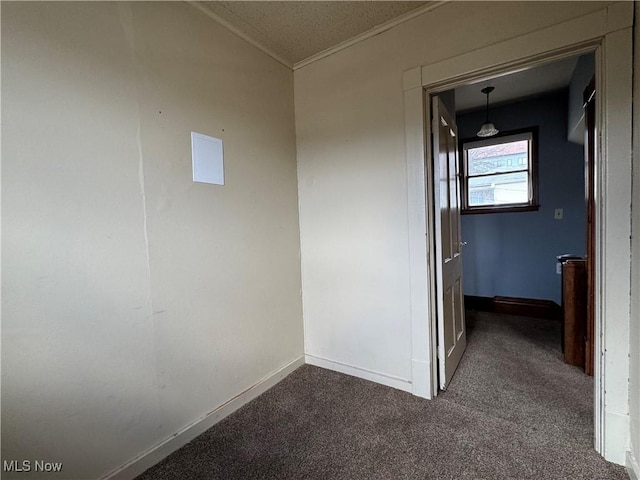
(608, 33)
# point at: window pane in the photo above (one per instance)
(499, 189)
(504, 157)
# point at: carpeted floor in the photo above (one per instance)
(513, 410)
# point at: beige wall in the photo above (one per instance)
(634, 338)
(352, 177)
(134, 300)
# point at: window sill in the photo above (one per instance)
(505, 209)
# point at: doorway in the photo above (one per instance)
(612, 47)
(512, 185)
(523, 192)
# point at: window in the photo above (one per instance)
(500, 173)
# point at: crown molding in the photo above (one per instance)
(198, 5)
(383, 27)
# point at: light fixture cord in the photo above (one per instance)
(487, 120)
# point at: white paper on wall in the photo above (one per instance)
(207, 159)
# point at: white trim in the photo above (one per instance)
(158, 452)
(598, 344)
(377, 377)
(418, 249)
(420, 372)
(529, 50)
(197, 5)
(615, 432)
(412, 79)
(607, 31)
(613, 246)
(632, 467)
(369, 33)
(619, 16)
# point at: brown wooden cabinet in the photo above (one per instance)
(574, 307)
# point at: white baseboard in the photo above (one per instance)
(616, 437)
(421, 384)
(156, 453)
(632, 467)
(382, 378)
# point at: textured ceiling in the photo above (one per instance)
(295, 30)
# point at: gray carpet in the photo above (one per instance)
(513, 410)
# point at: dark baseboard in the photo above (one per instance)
(526, 307)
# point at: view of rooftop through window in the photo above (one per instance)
(498, 174)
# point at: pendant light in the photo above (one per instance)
(487, 129)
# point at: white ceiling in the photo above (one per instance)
(520, 85)
(296, 30)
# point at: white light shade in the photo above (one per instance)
(487, 129)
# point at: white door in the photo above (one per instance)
(452, 338)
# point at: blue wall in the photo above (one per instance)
(514, 254)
